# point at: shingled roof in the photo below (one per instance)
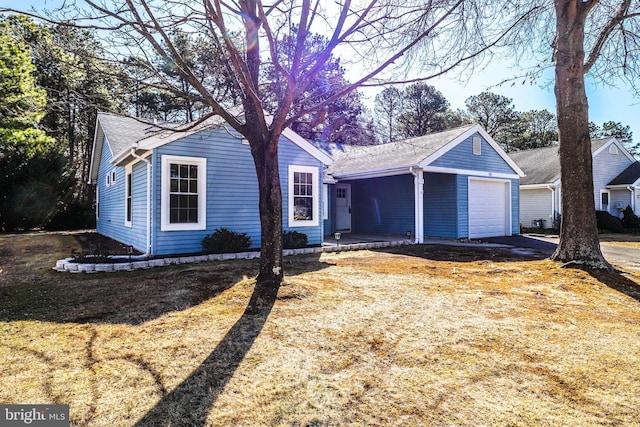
(394, 155)
(126, 133)
(122, 132)
(542, 165)
(629, 176)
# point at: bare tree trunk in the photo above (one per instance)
(579, 241)
(265, 155)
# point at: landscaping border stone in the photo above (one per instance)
(69, 266)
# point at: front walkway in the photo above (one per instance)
(354, 239)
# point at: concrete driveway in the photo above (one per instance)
(621, 255)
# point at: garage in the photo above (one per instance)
(489, 208)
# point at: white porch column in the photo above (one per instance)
(418, 180)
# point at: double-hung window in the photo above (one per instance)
(183, 193)
(303, 196)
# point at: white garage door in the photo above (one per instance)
(489, 208)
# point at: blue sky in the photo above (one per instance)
(605, 103)
(615, 103)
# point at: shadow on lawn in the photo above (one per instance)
(617, 281)
(470, 253)
(131, 297)
(189, 403)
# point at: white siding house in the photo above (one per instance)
(615, 182)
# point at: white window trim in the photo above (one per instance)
(128, 172)
(108, 179)
(165, 185)
(316, 196)
(113, 177)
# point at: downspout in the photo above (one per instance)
(418, 185)
(149, 216)
(633, 197)
(553, 205)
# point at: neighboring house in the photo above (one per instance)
(456, 184)
(162, 191)
(616, 176)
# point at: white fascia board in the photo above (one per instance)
(537, 186)
(373, 173)
(470, 172)
(93, 168)
(469, 132)
(125, 158)
(307, 146)
(618, 187)
(329, 180)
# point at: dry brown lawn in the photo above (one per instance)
(421, 335)
(621, 239)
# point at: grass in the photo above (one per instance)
(420, 335)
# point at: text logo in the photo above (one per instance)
(34, 415)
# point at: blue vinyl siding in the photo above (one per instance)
(440, 205)
(462, 200)
(461, 157)
(232, 189)
(139, 220)
(111, 221)
(330, 223)
(383, 205)
(446, 206)
(515, 206)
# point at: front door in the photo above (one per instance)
(604, 200)
(343, 207)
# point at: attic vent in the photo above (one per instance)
(477, 145)
(613, 150)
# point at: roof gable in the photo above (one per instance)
(542, 165)
(600, 145)
(400, 156)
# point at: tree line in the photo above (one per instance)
(55, 80)
(420, 109)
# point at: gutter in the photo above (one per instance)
(553, 204)
(149, 216)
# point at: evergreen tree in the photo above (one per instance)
(342, 120)
(423, 111)
(388, 107)
(31, 165)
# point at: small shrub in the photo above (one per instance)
(294, 240)
(606, 221)
(224, 240)
(630, 219)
